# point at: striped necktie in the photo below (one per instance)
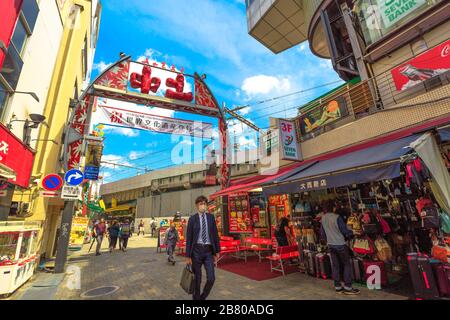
(204, 237)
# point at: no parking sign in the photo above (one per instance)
(52, 182)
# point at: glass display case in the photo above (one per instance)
(18, 254)
(8, 247)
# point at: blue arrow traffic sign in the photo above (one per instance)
(74, 177)
(52, 182)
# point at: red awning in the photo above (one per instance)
(249, 183)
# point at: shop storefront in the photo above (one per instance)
(393, 195)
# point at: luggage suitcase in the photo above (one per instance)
(422, 276)
(357, 270)
(380, 264)
(310, 262)
(442, 277)
(324, 265)
(317, 263)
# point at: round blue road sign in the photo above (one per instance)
(74, 177)
(52, 182)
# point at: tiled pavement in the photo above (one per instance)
(141, 273)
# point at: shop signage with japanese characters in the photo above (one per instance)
(144, 121)
(71, 192)
(313, 184)
(94, 150)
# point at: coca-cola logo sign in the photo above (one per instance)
(427, 65)
(445, 51)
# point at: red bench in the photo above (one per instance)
(256, 245)
(282, 254)
(230, 247)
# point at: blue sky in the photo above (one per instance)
(210, 37)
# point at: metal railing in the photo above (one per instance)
(359, 100)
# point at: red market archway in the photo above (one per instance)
(117, 82)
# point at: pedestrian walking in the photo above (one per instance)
(202, 247)
(171, 240)
(153, 226)
(141, 228)
(282, 231)
(335, 232)
(100, 230)
(124, 235)
(113, 232)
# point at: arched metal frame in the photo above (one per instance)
(112, 83)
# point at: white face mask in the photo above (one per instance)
(202, 208)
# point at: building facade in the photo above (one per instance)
(30, 30)
(67, 41)
(394, 57)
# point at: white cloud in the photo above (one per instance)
(247, 142)
(114, 158)
(101, 66)
(263, 85)
(132, 133)
(133, 155)
(244, 111)
(303, 47)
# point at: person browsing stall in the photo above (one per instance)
(202, 247)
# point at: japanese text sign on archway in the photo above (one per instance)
(149, 84)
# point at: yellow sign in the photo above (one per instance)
(78, 231)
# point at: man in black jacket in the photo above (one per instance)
(202, 247)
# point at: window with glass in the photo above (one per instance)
(8, 246)
(26, 241)
(380, 17)
(19, 36)
(30, 10)
(3, 99)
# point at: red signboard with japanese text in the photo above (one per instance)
(16, 156)
(427, 65)
(239, 213)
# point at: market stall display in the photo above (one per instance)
(18, 254)
(239, 213)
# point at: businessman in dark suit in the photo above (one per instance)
(202, 247)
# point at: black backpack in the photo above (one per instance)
(431, 218)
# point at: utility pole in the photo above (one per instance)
(64, 236)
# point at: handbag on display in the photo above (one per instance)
(187, 280)
(363, 246)
(430, 217)
(385, 228)
(354, 224)
(384, 251)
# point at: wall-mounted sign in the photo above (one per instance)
(16, 157)
(288, 141)
(145, 121)
(392, 11)
(94, 150)
(323, 115)
(71, 192)
(425, 66)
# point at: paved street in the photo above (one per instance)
(141, 273)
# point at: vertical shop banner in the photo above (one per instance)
(323, 115)
(144, 121)
(239, 213)
(392, 11)
(269, 152)
(78, 231)
(289, 143)
(94, 150)
(425, 66)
